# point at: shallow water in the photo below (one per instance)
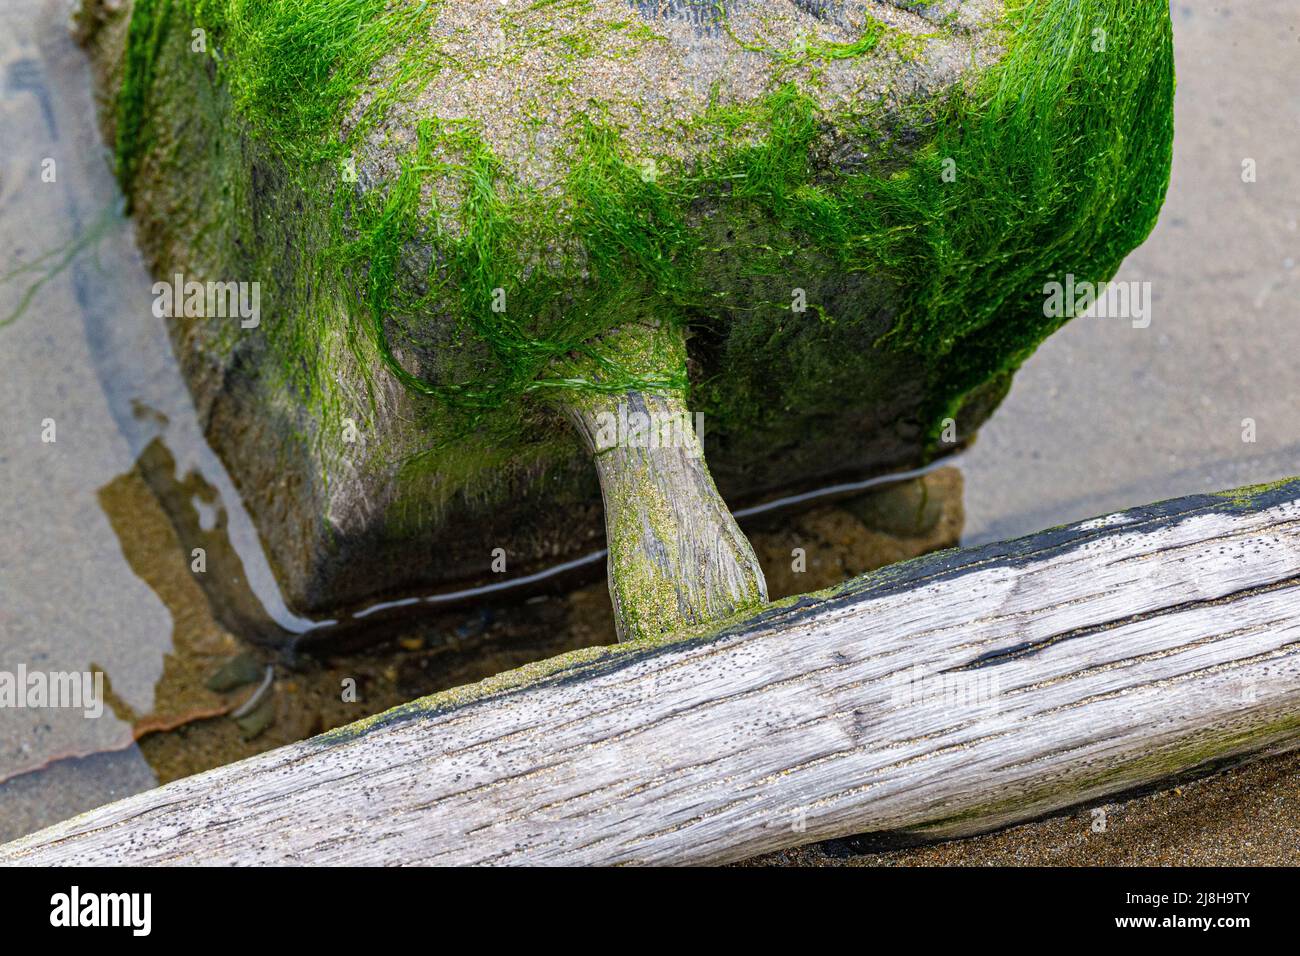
(97, 525)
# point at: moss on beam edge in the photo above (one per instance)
(575, 663)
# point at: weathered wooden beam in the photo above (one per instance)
(946, 696)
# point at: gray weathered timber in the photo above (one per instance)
(945, 696)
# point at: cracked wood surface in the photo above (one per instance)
(948, 695)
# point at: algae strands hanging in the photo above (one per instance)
(495, 242)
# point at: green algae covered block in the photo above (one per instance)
(825, 225)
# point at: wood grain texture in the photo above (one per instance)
(947, 695)
(677, 558)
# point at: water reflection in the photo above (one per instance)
(198, 545)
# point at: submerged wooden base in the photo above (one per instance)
(677, 558)
(945, 696)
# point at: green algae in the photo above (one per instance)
(1062, 158)
(144, 37)
(1061, 153)
(48, 266)
(813, 50)
(1246, 496)
(297, 66)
